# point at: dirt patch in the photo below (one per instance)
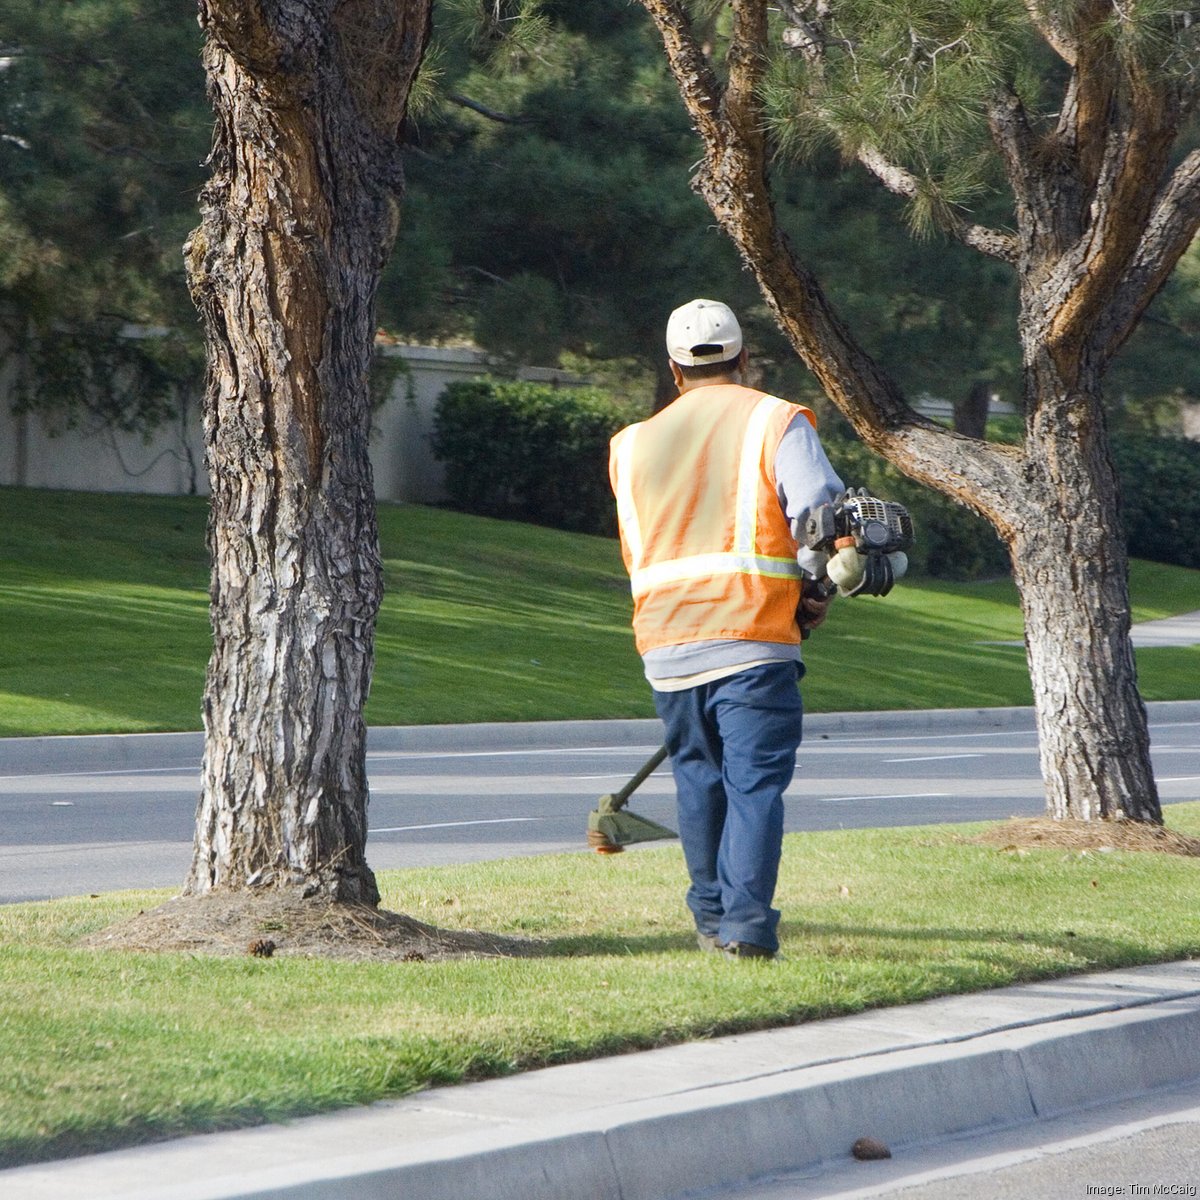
(267, 923)
(1042, 833)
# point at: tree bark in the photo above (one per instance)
(297, 220)
(1091, 720)
(1072, 573)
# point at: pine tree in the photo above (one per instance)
(1070, 119)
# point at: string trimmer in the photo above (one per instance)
(611, 829)
(865, 539)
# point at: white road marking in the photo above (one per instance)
(933, 758)
(405, 755)
(898, 796)
(89, 774)
(616, 775)
(456, 824)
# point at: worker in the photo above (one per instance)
(712, 492)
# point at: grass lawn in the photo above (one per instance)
(104, 625)
(103, 1048)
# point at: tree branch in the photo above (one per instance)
(903, 183)
(1088, 111)
(1134, 147)
(809, 40)
(1170, 230)
(1014, 139)
(484, 111)
(698, 85)
(746, 60)
(1053, 31)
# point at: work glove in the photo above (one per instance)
(813, 607)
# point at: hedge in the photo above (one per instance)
(1160, 492)
(533, 452)
(529, 452)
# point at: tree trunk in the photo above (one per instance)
(297, 222)
(971, 410)
(1072, 572)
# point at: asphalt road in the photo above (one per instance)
(94, 815)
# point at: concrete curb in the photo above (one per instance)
(159, 751)
(552, 734)
(102, 751)
(701, 1116)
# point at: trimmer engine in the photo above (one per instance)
(865, 538)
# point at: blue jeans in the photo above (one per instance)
(733, 752)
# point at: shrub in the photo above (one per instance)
(1160, 492)
(529, 452)
(537, 453)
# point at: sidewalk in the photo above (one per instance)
(1171, 631)
(1183, 630)
(698, 1117)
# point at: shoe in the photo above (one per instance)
(707, 941)
(744, 950)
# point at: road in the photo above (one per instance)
(85, 822)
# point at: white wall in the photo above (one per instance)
(404, 466)
(1189, 416)
(90, 458)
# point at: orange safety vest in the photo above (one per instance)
(705, 541)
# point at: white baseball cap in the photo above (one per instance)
(702, 332)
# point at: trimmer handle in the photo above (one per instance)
(619, 798)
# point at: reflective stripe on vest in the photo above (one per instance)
(741, 558)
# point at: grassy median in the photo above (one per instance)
(102, 1048)
(104, 625)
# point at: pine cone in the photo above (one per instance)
(868, 1148)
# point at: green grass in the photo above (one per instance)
(104, 625)
(103, 1048)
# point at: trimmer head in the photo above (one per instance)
(609, 832)
(611, 828)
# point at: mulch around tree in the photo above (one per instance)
(268, 922)
(1043, 833)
